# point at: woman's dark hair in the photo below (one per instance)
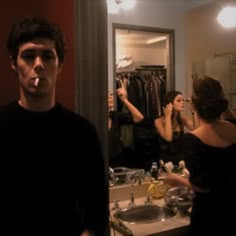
(170, 96)
(208, 98)
(31, 27)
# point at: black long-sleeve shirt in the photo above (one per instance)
(53, 179)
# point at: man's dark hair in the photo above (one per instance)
(31, 27)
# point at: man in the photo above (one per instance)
(48, 186)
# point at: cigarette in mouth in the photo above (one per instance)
(36, 82)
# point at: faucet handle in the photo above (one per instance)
(132, 202)
(148, 199)
(116, 206)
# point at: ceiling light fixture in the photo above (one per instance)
(114, 6)
(227, 17)
(155, 40)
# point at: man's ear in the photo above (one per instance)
(59, 68)
(13, 64)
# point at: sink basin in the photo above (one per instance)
(144, 214)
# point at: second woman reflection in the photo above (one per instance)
(121, 150)
(170, 127)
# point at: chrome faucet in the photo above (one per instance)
(132, 202)
(112, 176)
(116, 206)
(148, 199)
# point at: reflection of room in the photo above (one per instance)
(141, 58)
(199, 42)
(211, 49)
(198, 35)
(137, 48)
(141, 66)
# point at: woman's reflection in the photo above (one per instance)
(120, 125)
(170, 127)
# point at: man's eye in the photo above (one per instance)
(28, 56)
(47, 57)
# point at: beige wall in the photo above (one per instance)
(205, 37)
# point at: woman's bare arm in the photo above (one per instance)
(135, 113)
(163, 125)
(176, 180)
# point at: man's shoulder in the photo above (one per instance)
(74, 117)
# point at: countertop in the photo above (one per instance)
(178, 223)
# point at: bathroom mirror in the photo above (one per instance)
(143, 62)
(188, 53)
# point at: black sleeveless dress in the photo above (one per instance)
(172, 151)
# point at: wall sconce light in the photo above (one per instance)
(114, 6)
(227, 17)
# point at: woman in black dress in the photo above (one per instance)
(210, 152)
(170, 127)
(122, 152)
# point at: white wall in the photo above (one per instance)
(206, 40)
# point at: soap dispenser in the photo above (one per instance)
(153, 189)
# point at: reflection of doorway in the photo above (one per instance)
(140, 48)
(135, 46)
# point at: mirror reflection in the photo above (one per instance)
(143, 73)
(144, 63)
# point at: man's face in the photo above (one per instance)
(37, 59)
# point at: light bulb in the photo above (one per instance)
(127, 4)
(114, 6)
(227, 17)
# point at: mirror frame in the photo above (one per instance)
(171, 49)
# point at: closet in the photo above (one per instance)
(146, 87)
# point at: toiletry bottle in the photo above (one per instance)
(154, 170)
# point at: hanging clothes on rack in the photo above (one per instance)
(146, 88)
